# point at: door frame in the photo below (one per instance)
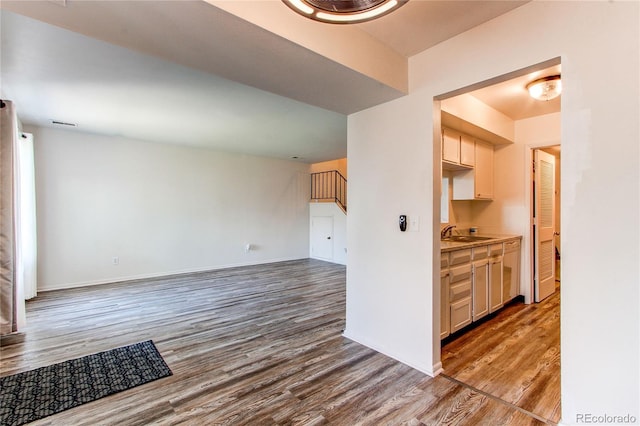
(436, 200)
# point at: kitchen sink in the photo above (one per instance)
(466, 238)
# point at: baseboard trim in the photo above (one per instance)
(437, 369)
(429, 371)
(125, 278)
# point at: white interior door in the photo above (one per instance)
(322, 237)
(544, 226)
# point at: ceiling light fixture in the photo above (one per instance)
(545, 89)
(343, 11)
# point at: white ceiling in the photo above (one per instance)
(421, 24)
(511, 97)
(189, 72)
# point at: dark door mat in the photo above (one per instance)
(32, 395)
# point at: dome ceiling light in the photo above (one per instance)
(344, 11)
(545, 89)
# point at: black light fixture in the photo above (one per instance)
(344, 11)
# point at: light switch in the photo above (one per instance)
(414, 223)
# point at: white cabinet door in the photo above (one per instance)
(467, 151)
(445, 325)
(476, 183)
(450, 146)
(480, 283)
(495, 284)
(484, 171)
(511, 271)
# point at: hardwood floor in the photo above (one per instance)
(257, 345)
(514, 356)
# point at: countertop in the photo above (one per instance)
(447, 246)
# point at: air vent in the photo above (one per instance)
(63, 123)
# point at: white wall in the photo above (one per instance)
(389, 297)
(160, 208)
(339, 229)
(391, 276)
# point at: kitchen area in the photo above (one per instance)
(500, 246)
(480, 268)
(500, 220)
(479, 275)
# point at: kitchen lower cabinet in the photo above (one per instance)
(495, 284)
(455, 291)
(495, 277)
(472, 283)
(480, 280)
(460, 299)
(460, 314)
(445, 315)
(511, 270)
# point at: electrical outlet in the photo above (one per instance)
(116, 260)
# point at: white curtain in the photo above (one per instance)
(26, 217)
(17, 221)
(9, 300)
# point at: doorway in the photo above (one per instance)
(545, 222)
(322, 237)
(509, 212)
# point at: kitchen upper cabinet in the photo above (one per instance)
(476, 183)
(458, 150)
(450, 146)
(484, 171)
(467, 151)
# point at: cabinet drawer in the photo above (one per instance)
(459, 256)
(511, 245)
(444, 260)
(479, 253)
(460, 273)
(460, 314)
(459, 291)
(495, 249)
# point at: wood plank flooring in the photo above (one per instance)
(514, 356)
(257, 345)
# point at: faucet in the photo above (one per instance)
(449, 229)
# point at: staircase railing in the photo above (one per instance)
(329, 186)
